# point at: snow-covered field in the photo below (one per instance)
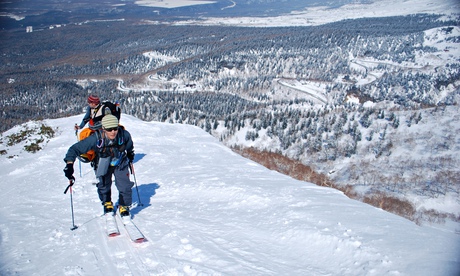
(206, 211)
(314, 14)
(318, 15)
(170, 3)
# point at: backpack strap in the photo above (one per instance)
(101, 137)
(121, 139)
(96, 109)
(100, 140)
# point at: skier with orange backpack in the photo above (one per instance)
(115, 153)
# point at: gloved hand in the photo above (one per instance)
(68, 171)
(130, 156)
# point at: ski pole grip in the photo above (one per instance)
(71, 181)
(131, 167)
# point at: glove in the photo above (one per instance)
(68, 171)
(130, 156)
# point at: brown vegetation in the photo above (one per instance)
(277, 162)
(297, 170)
(25, 134)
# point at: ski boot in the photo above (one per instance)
(108, 207)
(124, 211)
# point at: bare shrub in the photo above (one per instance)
(376, 197)
(391, 204)
(350, 191)
(278, 162)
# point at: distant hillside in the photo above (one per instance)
(41, 14)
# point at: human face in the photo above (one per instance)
(92, 105)
(111, 132)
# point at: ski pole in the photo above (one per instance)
(135, 182)
(69, 188)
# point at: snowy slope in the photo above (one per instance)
(206, 211)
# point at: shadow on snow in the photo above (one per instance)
(143, 193)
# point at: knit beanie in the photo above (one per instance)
(109, 121)
(94, 99)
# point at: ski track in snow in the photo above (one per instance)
(206, 211)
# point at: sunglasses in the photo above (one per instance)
(111, 129)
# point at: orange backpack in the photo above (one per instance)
(91, 154)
